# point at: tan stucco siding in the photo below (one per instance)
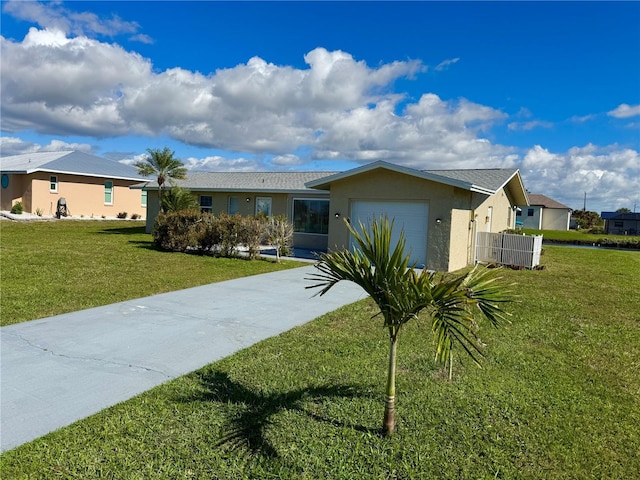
(555, 219)
(15, 192)
(494, 213)
(84, 195)
(460, 254)
(384, 185)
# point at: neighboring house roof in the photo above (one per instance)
(274, 182)
(544, 201)
(486, 181)
(68, 162)
(626, 216)
(608, 215)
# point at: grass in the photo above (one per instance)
(49, 268)
(578, 235)
(558, 397)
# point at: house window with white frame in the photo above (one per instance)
(206, 203)
(263, 206)
(311, 215)
(53, 184)
(108, 192)
(143, 199)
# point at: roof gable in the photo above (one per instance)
(546, 202)
(485, 181)
(70, 162)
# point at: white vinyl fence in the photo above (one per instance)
(508, 249)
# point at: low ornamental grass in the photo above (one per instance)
(55, 267)
(558, 397)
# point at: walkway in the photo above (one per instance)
(57, 370)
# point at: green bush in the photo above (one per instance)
(17, 208)
(251, 234)
(177, 231)
(122, 215)
(229, 229)
(221, 235)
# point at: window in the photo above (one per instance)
(311, 216)
(53, 184)
(143, 201)
(206, 203)
(263, 206)
(530, 212)
(518, 212)
(5, 180)
(108, 192)
(618, 223)
(234, 205)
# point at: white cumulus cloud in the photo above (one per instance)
(625, 111)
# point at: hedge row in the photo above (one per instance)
(221, 235)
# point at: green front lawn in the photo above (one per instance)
(558, 397)
(54, 267)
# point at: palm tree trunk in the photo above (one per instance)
(389, 422)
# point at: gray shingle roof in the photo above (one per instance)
(71, 162)
(543, 200)
(487, 178)
(248, 181)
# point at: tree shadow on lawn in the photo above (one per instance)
(248, 426)
(138, 230)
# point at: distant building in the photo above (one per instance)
(543, 213)
(90, 185)
(622, 224)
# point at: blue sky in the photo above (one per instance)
(551, 88)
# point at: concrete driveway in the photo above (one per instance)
(57, 370)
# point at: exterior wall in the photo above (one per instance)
(535, 221)
(15, 192)
(494, 213)
(380, 185)
(555, 219)
(84, 195)
(281, 204)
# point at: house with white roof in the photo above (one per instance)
(439, 211)
(90, 185)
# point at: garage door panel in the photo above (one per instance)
(410, 217)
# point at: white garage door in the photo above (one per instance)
(410, 217)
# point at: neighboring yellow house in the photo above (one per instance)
(90, 185)
(439, 210)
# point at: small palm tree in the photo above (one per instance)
(164, 166)
(178, 199)
(402, 293)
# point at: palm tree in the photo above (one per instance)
(178, 199)
(402, 293)
(163, 165)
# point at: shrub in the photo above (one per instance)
(210, 235)
(177, 231)
(17, 208)
(279, 234)
(122, 215)
(135, 216)
(229, 229)
(251, 233)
